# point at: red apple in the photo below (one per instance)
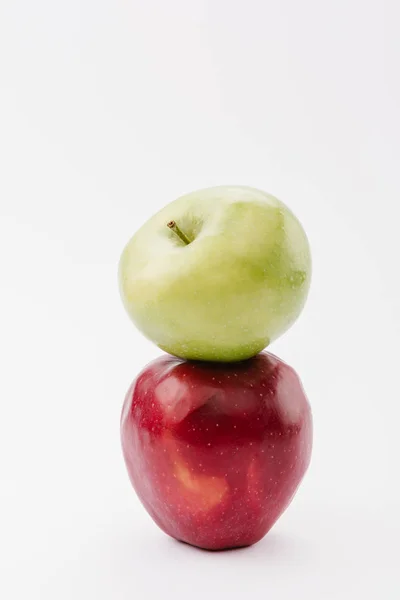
(216, 451)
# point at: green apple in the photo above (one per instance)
(217, 274)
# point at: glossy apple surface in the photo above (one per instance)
(216, 452)
(235, 280)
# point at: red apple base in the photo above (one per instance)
(216, 451)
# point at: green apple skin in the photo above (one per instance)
(239, 284)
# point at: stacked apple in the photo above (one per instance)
(217, 437)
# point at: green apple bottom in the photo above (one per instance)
(217, 274)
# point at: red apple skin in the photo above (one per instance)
(216, 451)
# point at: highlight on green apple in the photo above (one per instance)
(217, 274)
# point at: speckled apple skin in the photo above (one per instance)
(216, 452)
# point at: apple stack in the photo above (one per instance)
(216, 434)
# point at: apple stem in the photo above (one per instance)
(172, 225)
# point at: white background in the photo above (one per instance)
(108, 110)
